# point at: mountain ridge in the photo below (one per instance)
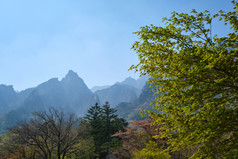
(70, 94)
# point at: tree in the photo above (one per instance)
(51, 133)
(136, 140)
(104, 123)
(196, 75)
(94, 118)
(151, 151)
(85, 147)
(12, 147)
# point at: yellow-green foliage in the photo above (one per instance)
(84, 149)
(151, 151)
(196, 74)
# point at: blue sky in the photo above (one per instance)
(42, 39)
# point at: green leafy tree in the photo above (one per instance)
(12, 147)
(151, 151)
(85, 146)
(196, 75)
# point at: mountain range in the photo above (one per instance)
(70, 94)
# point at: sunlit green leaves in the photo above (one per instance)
(197, 74)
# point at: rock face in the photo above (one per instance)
(70, 94)
(116, 94)
(8, 98)
(139, 83)
(125, 91)
(131, 111)
(79, 97)
(130, 82)
(97, 88)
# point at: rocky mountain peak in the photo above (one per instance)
(6, 88)
(71, 75)
(72, 78)
(72, 82)
(129, 81)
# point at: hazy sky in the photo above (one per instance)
(42, 39)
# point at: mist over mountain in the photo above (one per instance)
(70, 94)
(117, 93)
(24, 94)
(139, 83)
(97, 88)
(8, 97)
(125, 91)
(131, 110)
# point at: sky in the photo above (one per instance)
(43, 39)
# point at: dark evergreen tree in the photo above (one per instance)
(104, 123)
(94, 118)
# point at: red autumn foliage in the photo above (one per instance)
(136, 136)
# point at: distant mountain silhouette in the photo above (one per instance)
(129, 81)
(97, 88)
(79, 97)
(125, 91)
(23, 95)
(8, 98)
(139, 83)
(70, 94)
(117, 93)
(131, 110)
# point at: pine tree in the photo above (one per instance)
(104, 123)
